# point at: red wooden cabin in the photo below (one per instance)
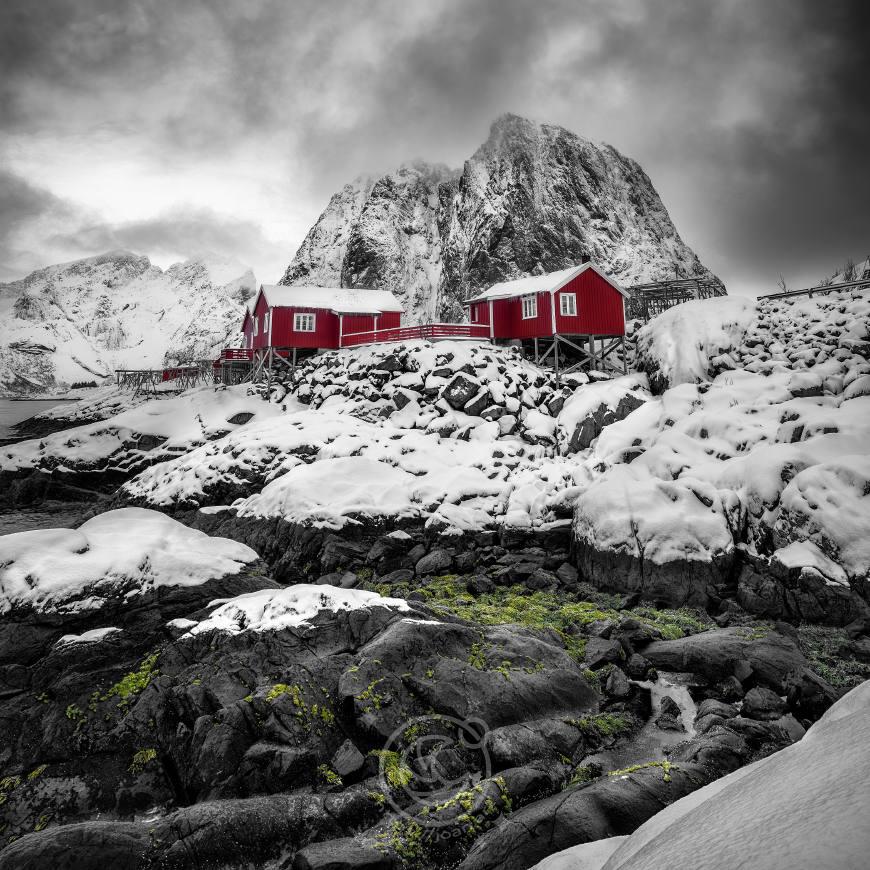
(578, 301)
(316, 317)
(572, 308)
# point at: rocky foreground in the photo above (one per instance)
(153, 721)
(421, 605)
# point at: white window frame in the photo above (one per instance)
(256, 324)
(473, 314)
(568, 310)
(266, 322)
(304, 321)
(530, 306)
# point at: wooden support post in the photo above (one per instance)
(537, 358)
(556, 358)
(624, 359)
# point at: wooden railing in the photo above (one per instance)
(230, 354)
(861, 283)
(423, 330)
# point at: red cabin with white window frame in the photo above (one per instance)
(316, 317)
(580, 301)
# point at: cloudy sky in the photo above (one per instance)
(172, 128)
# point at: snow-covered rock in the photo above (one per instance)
(533, 198)
(804, 806)
(77, 322)
(121, 553)
(680, 343)
(826, 335)
(754, 458)
(381, 439)
(277, 609)
(589, 410)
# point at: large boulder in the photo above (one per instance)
(460, 390)
(668, 540)
(759, 655)
(609, 806)
(594, 406)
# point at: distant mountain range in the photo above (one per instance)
(77, 322)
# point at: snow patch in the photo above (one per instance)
(277, 609)
(129, 551)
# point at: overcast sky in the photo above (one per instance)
(172, 128)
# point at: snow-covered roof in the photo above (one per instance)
(551, 282)
(341, 300)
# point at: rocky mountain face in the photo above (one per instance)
(78, 321)
(532, 199)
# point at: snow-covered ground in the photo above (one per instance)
(805, 806)
(171, 425)
(759, 441)
(765, 426)
(124, 552)
(374, 442)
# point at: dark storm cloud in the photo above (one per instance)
(20, 200)
(750, 117)
(170, 234)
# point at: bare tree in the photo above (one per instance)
(849, 270)
(783, 287)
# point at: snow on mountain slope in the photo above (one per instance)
(533, 198)
(805, 806)
(78, 321)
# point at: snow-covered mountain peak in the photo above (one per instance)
(533, 198)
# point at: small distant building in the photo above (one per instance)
(572, 309)
(316, 317)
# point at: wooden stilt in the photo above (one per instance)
(556, 358)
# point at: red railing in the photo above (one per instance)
(176, 372)
(424, 330)
(236, 353)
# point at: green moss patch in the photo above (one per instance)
(562, 612)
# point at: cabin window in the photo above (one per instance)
(568, 304)
(256, 324)
(530, 307)
(266, 322)
(303, 322)
(471, 314)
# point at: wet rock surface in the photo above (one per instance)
(460, 731)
